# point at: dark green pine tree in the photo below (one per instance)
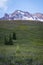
(5, 41)
(14, 36)
(10, 40)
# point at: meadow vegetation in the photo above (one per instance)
(21, 42)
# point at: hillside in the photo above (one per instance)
(27, 48)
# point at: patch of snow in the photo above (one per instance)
(27, 18)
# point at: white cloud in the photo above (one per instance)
(3, 5)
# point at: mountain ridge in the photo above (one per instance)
(22, 15)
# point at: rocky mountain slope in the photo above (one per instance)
(21, 15)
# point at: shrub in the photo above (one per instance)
(10, 42)
(29, 61)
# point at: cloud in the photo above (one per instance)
(3, 5)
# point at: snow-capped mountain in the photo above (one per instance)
(21, 15)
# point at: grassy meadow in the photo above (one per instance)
(27, 49)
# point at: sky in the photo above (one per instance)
(9, 6)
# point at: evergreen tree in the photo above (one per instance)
(5, 41)
(10, 40)
(14, 36)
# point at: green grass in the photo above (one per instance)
(29, 43)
